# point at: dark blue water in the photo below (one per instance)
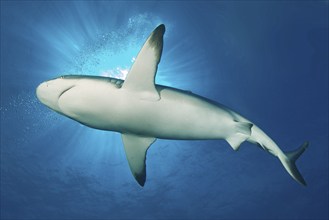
(266, 60)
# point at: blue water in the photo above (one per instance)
(267, 60)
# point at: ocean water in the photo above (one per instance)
(266, 60)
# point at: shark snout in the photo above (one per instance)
(41, 90)
(49, 92)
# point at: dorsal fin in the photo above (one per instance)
(141, 77)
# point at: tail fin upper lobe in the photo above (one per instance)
(288, 160)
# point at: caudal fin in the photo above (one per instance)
(288, 160)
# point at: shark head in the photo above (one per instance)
(49, 92)
(81, 98)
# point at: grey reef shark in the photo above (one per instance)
(143, 111)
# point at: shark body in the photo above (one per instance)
(143, 111)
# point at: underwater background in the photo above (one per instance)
(266, 60)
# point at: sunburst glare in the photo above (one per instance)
(108, 52)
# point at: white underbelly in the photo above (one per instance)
(176, 115)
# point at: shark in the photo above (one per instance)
(143, 111)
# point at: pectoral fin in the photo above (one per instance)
(136, 147)
(141, 77)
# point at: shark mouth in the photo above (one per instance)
(64, 91)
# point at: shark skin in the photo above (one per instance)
(142, 111)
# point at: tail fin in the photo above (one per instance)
(288, 160)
